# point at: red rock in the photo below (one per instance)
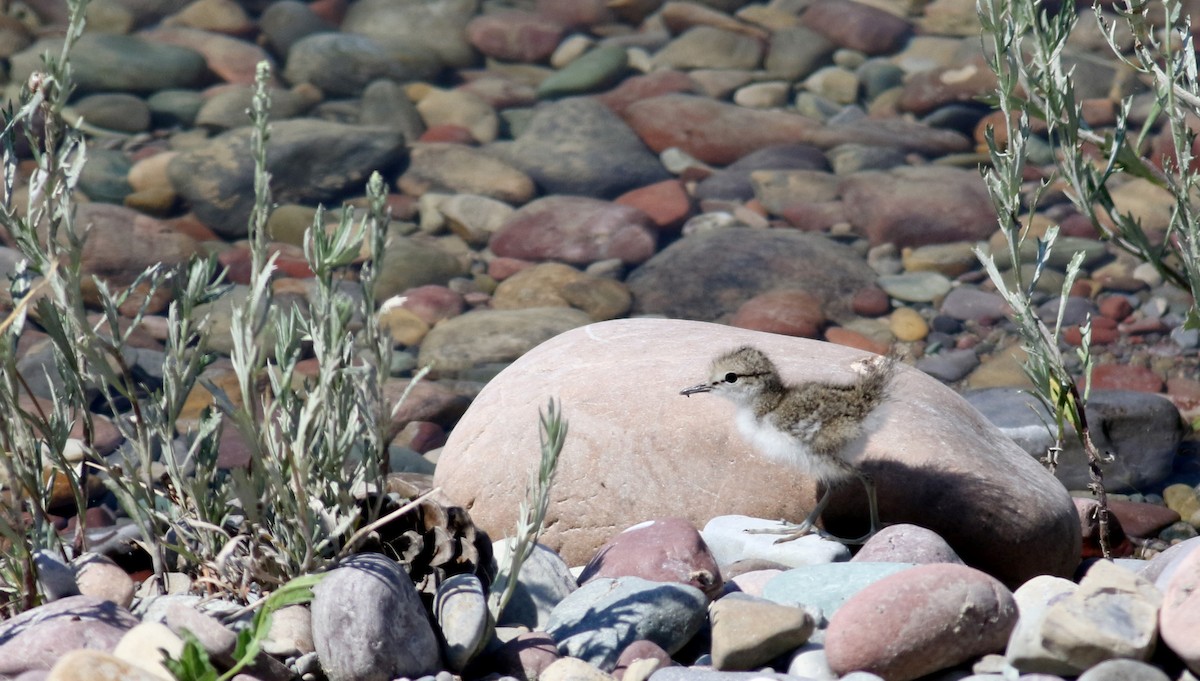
(1078, 225)
(122, 242)
(290, 263)
(1179, 619)
(433, 303)
(854, 339)
(1102, 334)
(920, 621)
(919, 205)
(786, 312)
(654, 84)
(515, 35)
(1143, 326)
(871, 302)
(454, 134)
(1125, 377)
(503, 268)
(332, 11)
(712, 131)
(421, 436)
(1082, 288)
(500, 93)
(1141, 519)
(575, 230)
(1089, 527)
(667, 203)
(662, 550)
(929, 90)
(857, 26)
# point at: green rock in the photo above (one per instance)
(408, 263)
(118, 63)
(594, 71)
(104, 176)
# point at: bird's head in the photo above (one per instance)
(739, 375)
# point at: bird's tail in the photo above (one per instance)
(876, 374)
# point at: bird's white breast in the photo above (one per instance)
(782, 447)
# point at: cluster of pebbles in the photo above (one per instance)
(797, 167)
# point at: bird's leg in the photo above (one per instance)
(872, 504)
(807, 526)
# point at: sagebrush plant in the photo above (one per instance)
(318, 444)
(1027, 53)
(1024, 44)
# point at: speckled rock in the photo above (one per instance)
(663, 550)
(575, 230)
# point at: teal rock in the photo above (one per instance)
(118, 63)
(115, 111)
(597, 70)
(827, 586)
(171, 108)
(915, 287)
(103, 176)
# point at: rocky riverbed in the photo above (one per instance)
(570, 180)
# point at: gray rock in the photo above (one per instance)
(483, 336)
(970, 304)
(748, 631)
(229, 107)
(369, 623)
(701, 674)
(461, 610)
(601, 618)
(385, 103)
(545, 580)
(56, 579)
(437, 26)
(36, 638)
(218, 178)
(1065, 629)
(409, 263)
(796, 52)
(949, 366)
(1141, 430)
(219, 641)
(343, 63)
(709, 47)
(1160, 569)
(104, 62)
(915, 287)
(578, 146)
(733, 182)
(1123, 670)
(115, 111)
(708, 276)
(286, 22)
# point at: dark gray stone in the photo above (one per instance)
(707, 276)
(579, 146)
(369, 624)
(601, 618)
(343, 63)
(310, 161)
(104, 62)
(733, 182)
(1141, 430)
(949, 366)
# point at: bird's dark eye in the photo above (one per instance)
(731, 377)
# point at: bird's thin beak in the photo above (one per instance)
(702, 388)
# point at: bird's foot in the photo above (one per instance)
(789, 530)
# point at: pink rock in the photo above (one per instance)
(915, 206)
(919, 621)
(857, 26)
(641, 650)
(871, 302)
(906, 544)
(840, 335)
(123, 242)
(515, 35)
(503, 268)
(1125, 377)
(813, 216)
(1116, 307)
(575, 230)
(452, 134)
(1179, 619)
(667, 203)
(663, 550)
(433, 303)
(525, 656)
(36, 638)
(787, 312)
(238, 262)
(575, 13)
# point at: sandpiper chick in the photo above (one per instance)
(807, 425)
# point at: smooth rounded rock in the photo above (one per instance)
(748, 632)
(461, 610)
(344, 64)
(662, 550)
(920, 621)
(937, 462)
(95, 665)
(914, 206)
(544, 580)
(369, 623)
(1180, 617)
(826, 588)
(36, 638)
(457, 169)
(1123, 670)
(906, 544)
(104, 62)
(601, 618)
(483, 336)
(575, 230)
